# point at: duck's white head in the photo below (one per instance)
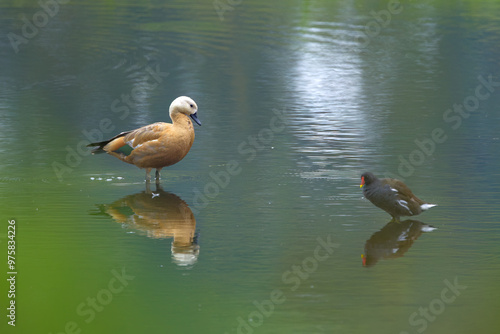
(185, 105)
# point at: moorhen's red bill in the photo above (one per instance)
(392, 196)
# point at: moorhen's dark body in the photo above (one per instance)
(392, 196)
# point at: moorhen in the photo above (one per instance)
(392, 196)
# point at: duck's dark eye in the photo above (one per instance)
(191, 105)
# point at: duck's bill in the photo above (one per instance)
(195, 118)
(362, 182)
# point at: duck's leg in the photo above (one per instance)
(148, 174)
(158, 187)
(157, 175)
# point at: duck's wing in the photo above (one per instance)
(145, 134)
(138, 137)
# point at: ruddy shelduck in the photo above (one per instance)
(156, 145)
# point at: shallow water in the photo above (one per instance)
(261, 228)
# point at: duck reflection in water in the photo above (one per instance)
(393, 240)
(160, 214)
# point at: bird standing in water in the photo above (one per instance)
(392, 196)
(156, 145)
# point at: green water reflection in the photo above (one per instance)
(158, 214)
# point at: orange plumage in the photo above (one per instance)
(156, 145)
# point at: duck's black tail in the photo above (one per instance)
(98, 147)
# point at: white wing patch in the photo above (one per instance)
(131, 143)
(404, 204)
(395, 190)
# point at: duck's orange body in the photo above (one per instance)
(156, 145)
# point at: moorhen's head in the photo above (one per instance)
(367, 178)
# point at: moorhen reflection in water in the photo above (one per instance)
(159, 214)
(393, 240)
